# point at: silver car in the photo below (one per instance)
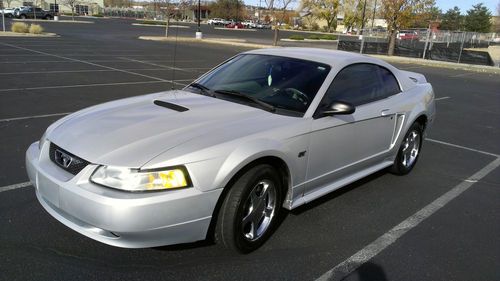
(266, 130)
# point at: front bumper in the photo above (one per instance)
(119, 218)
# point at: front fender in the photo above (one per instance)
(248, 152)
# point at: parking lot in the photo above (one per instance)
(441, 222)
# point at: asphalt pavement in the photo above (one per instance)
(43, 79)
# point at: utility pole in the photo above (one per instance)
(3, 17)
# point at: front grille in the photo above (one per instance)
(65, 160)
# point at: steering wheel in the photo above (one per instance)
(296, 95)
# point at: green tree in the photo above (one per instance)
(452, 19)
(428, 12)
(228, 9)
(353, 10)
(324, 10)
(399, 14)
(478, 19)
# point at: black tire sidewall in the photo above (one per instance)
(233, 209)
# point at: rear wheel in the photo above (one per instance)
(23, 17)
(250, 210)
(409, 151)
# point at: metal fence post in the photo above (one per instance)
(426, 41)
(362, 43)
(461, 47)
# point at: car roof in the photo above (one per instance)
(331, 57)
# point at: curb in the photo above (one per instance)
(16, 34)
(50, 21)
(235, 29)
(161, 25)
(219, 41)
(441, 64)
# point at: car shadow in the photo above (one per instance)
(334, 194)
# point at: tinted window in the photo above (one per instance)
(361, 83)
(286, 83)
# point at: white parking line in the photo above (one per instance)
(153, 64)
(442, 98)
(346, 267)
(462, 147)
(78, 61)
(86, 62)
(14, 186)
(33, 117)
(79, 71)
(97, 85)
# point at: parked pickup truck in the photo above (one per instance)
(30, 12)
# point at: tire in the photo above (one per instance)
(407, 159)
(22, 17)
(250, 210)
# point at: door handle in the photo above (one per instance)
(385, 112)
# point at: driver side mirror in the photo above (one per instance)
(338, 108)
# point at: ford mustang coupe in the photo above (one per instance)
(266, 130)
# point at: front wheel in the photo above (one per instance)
(250, 210)
(409, 151)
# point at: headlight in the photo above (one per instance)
(137, 180)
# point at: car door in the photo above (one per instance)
(341, 145)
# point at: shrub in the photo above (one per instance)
(19, 27)
(36, 29)
(314, 37)
(314, 26)
(328, 37)
(98, 15)
(296, 37)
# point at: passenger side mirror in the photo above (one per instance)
(338, 108)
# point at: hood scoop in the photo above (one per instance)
(172, 106)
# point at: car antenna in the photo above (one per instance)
(175, 54)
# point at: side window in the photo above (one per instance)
(361, 83)
(389, 82)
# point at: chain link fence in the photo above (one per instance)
(441, 45)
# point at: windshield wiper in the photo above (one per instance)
(234, 93)
(205, 90)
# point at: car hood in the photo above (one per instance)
(132, 131)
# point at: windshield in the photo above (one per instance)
(285, 83)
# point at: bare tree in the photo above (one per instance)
(71, 4)
(10, 1)
(278, 10)
(166, 8)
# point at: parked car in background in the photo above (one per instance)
(8, 12)
(249, 24)
(407, 35)
(218, 21)
(262, 25)
(235, 25)
(31, 12)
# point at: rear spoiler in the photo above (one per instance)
(415, 77)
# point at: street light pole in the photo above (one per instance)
(199, 35)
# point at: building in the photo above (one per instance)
(90, 7)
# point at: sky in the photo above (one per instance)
(444, 5)
(465, 5)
